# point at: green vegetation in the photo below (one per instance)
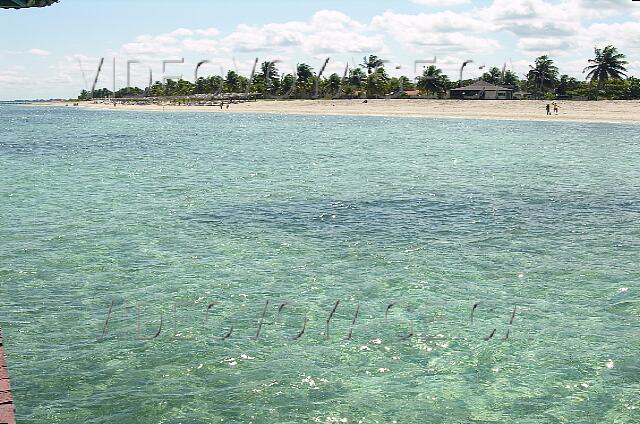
(606, 78)
(608, 64)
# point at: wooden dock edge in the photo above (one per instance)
(7, 408)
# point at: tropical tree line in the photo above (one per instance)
(605, 78)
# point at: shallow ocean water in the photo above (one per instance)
(159, 215)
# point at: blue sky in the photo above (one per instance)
(54, 51)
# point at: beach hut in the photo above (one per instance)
(481, 90)
(522, 95)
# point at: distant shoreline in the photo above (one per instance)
(614, 111)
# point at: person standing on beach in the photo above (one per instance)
(548, 109)
(555, 108)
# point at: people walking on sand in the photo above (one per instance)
(548, 109)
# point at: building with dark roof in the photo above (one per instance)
(481, 90)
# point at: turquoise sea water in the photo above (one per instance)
(165, 213)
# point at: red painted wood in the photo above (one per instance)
(7, 408)
(5, 397)
(7, 414)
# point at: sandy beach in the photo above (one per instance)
(578, 111)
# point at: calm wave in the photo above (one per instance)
(414, 220)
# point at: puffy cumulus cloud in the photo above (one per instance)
(567, 13)
(430, 22)
(559, 26)
(39, 52)
(202, 45)
(10, 77)
(335, 42)
(572, 66)
(152, 45)
(562, 28)
(459, 42)
(633, 68)
(508, 11)
(248, 38)
(325, 33)
(558, 46)
(443, 30)
(208, 32)
(520, 67)
(625, 36)
(174, 43)
(528, 17)
(594, 9)
(331, 20)
(540, 19)
(181, 32)
(60, 73)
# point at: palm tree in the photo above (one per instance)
(269, 72)
(268, 79)
(287, 85)
(371, 64)
(356, 81)
(184, 88)
(510, 79)
(566, 84)
(432, 80)
(608, 64)
(400, 84)
(157, 89)
(494, 76)
(305, 73)
(634, 88)
(377, 83)
(232, 82)
(544, 73)
(333, 84)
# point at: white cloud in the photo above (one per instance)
(539, 46)
(203, 45)
(329, 20)
(625, 36)
(208, 32)
(181, 32)
(430, 22)
(442, 31)
(595, 9)
(530, 17)
(39, 52)
(149, 45)
(326, 32)
(487, 32)
(335, 43)
(12, 77)
(59, 73)
(271, 36)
